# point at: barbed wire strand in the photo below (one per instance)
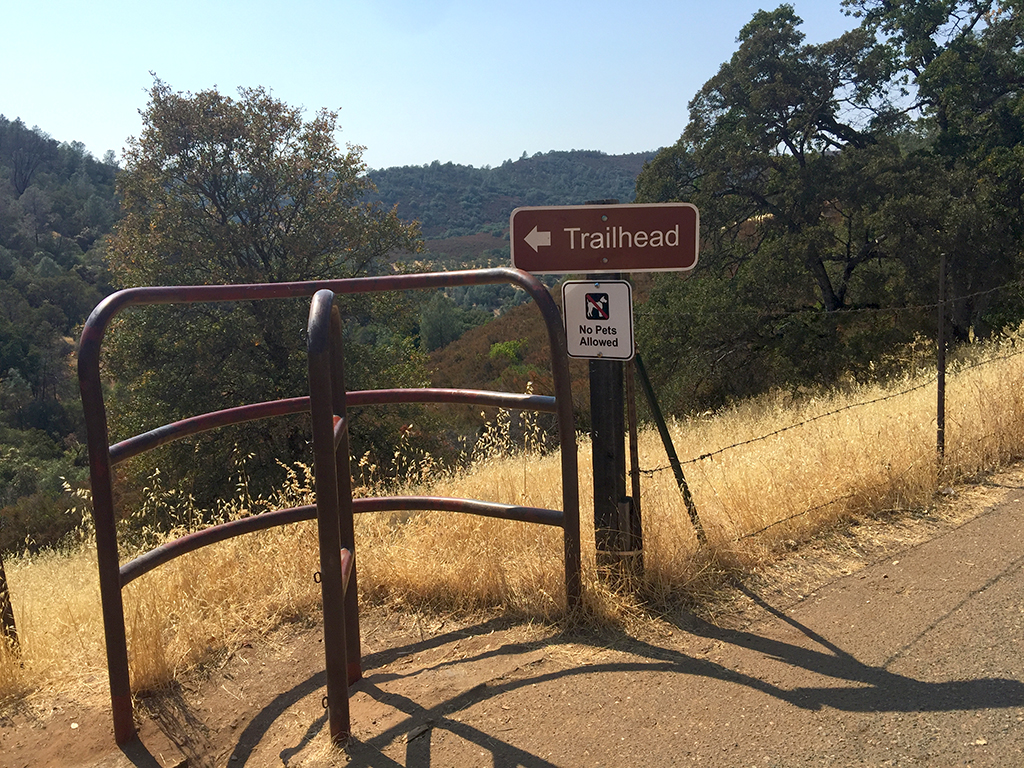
(819, 313)
(846, 497)
(931, 380)
(781, 430)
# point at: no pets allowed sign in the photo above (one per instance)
(598, 319)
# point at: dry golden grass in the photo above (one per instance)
(827, 459)
(55, 596)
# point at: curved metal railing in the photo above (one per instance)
(102, 456)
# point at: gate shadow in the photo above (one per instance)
(872, 689)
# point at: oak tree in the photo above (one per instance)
(961, 63)
(240, 190)
(789, 179)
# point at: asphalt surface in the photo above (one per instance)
(913, 660)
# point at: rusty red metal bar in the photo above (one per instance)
(168, 433)
(190, 542)
(332, 503)
(102, 456)
(537, 515)
(346, 523)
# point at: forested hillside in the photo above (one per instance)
(56, 204)
(464, 211)
(453, 200)
(835, 203)
(843, 187)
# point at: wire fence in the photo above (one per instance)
(960, 368)
(777, 432)
(815, 313)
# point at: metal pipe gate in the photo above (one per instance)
(327, 404)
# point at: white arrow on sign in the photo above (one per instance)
(536, 239)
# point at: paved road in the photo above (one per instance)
(914, 660)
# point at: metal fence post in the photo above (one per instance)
(634, 523)
(10, 631)
(332, 584)
(673, 459)
(608, 430)
(940, 341)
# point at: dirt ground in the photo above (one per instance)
(885, 645)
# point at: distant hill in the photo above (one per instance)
(464, 213)
(57, 204)
(510, 354)
(452, 200)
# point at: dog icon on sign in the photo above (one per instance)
(597, 306)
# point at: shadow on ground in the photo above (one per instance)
(869, 689)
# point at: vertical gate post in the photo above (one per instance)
(608, 430)
(940, 342)
(346, 522)
(608, 433)
(100, 480)
(321, 407)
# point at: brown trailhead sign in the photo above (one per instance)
(572, 239)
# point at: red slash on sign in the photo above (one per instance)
(597, 306)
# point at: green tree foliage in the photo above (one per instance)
(829, 179)
(442, 321)
(778, 161)
(223, 190)
(56, 202)
(963, 63)
(219, 189)
(451, 200)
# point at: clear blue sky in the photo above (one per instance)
(415, 80)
